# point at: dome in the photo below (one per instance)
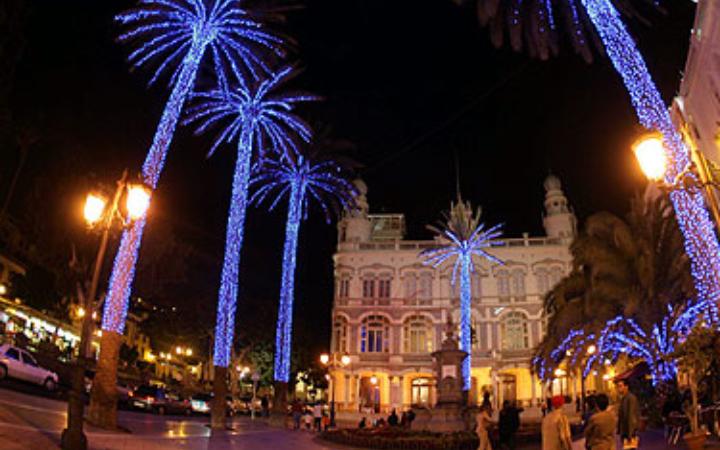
(361, 186)
(552, 183)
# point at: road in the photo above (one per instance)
(34, 422)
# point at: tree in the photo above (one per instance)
(629, 289)
(259, 117)
(300, 178)
(592, 19)
(460, 237)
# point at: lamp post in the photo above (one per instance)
(97, 216)
(590, 351)
(651, 155)
(334, 361)
(255, 378)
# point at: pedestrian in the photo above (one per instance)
(404, 420)
(410, 418)
(628, 416)
(363, 423)
(600, 428)
(508, 425)
(297, 410)
(317, 416)
(591, 408)
(325, 422)
(308, 420)
(556, 427)
(393, 419)
(486, 403)
(264, 405)
(482, 427)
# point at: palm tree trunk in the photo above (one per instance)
(103, 405)
(227, 296)
(465, 318)
(701, 243)
(283, 333)
(123, 272)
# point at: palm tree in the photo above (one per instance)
(462, 236)
(301, 179)
(538, 21)
(175, 34)
(259, 118)
(634, 268)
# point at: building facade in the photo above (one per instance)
(390, 310)
(698, 102)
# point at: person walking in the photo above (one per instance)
(556, 427)
(482, 427)
(392, 419)
(508, 425)
(600, 427)
(297, 411)
(628, 416)
(317, 416)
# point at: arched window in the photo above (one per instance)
(384, 282)
(514, 331)
(418, 335)
(503, 285)
(410, 285)
(556, 274)
(374, 334)
(420, 391)
(344, 286)
(543, 281)
(368, 285)
(340, 333)
(426, 285)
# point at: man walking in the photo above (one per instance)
(317, 416)
(600, 427)
(556, 427)
(628, 416)
(508, 425)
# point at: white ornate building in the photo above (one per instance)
(390, 309)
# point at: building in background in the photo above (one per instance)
(698, 102)
(390, 310)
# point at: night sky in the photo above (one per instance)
(415, 84)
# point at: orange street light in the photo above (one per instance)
(94, 208)
(138, 200)
(650, 153)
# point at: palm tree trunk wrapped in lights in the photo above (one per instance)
(260, 118)
(460, 237)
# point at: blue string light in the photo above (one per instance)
(701, 244)
(260, 119)
(462, 236)
(177, 33)
(299, 179)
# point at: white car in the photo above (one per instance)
(18, 363)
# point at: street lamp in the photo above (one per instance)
(3, 289)
(590, 351)
(334, 361)
(699, 174)
(97, 215)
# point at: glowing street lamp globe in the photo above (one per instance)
(591, 349)
(138, 201)
(94, 208)
(345, 360)
(324, 358)
(650, 154)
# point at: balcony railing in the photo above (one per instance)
(422, 245)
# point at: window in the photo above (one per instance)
(543, 281)
(374, 335)
(420, 391)
(410, 286)
(384, 288)
(418, 335)
(344, 288)
(369, 288)
(556, 274)
(29, 360)
(12, 353)
(518, 284)
(514, 332)
(339, 337)
(426, 285)
(503, 285)
(476, 285)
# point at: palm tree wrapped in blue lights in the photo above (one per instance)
(175, 35)
(537, 22)
(462, 236)
(299, 178)
(258, 117)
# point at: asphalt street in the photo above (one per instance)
(35, 422)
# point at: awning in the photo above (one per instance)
(639, 370)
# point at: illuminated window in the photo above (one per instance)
(514, 332)
(374, 333)
(418, 335)
(340, 332)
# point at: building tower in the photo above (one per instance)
(559, 220)
(355, 225)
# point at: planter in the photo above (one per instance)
(695, 441)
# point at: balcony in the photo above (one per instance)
(374, 357)
(417, 246)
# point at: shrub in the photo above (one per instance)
(401, 439)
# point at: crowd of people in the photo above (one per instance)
(603, 424)
(403, 421)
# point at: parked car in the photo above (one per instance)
(156, 399)
(18, 363)
(201, 403)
